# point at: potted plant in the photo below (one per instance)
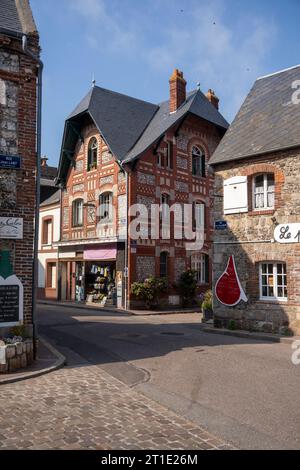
(207, 308)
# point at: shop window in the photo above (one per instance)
(164, 264)
(263, 191)
(273, 281)
(106, 208)
(77, 213)
(198, 162)
(51, 276)
(200, 264)
(47, 226)
(92, 154)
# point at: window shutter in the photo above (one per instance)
(206, 269)
(235, 195)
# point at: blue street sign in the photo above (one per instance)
(220, 225)
(12, 162)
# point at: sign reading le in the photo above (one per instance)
(11, 228)
(287, 233)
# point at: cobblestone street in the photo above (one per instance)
(85, 408)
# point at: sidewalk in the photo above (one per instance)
(119, 310)
(274, 338)
(48, 360)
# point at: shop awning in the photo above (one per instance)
(99, 254)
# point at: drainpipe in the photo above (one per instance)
(126, 243)
(40, 67)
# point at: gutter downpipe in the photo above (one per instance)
(40, 67)
(126, 245)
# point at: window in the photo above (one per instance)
(264, 192)
(163, 264)
(170, 155)
(92, 154)
(198, 215)
(77, 213)
(51, 276)
(200, 264)
(164, 207)
(198, 162)
(47, 231)
(106, 210)
(273, 281)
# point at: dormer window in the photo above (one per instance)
(92, 154)
(264, 192)
(198, 162)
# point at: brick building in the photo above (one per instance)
(18, 115)
(257, 193)
(121, 150)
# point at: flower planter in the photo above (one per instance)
(16, 356)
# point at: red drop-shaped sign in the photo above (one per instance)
(228, 287)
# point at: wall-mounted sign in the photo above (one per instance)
(11, 228)
(11, 301)
(10, 162)
(228, 288)
(287, 233)
(220, 225)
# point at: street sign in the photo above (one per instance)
(10, 162)
(220, 225)
(11, 228)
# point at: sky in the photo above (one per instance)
(132, 47)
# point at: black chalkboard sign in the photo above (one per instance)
(9, 303)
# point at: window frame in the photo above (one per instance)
(169, 156)
(91, 164)
(197, 152)
(200, 260)
(75, 222)
(265, 192)
(274, 298)
(102, 217)
(46, 221)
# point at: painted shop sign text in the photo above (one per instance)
(287, 233)
(11, 228)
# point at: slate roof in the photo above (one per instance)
(48, 172)
(53, 199)
(16, 17)
(128, 125)
(267, 121)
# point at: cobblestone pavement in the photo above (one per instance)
(85, 408)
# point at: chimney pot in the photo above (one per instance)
(177, 90)
(44, 161)
(210, 95)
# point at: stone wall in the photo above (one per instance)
(17, 356)
(250, 238)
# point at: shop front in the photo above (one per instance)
(92, 276)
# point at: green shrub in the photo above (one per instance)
(207, 300)
(150, 290)
(19, 330)
(232, 325)
(187, 286)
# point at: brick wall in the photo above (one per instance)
(18, 136)
(250, 239)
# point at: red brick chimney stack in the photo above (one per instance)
(210, 95)
(177, 90)
(44, 161)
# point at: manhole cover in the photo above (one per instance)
(172, 333)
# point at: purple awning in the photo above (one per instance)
(106, 252)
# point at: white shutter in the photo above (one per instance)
(236, 195)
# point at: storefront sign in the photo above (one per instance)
(228, 288)
(10, 162)
(11, 301)
(287, 233)
(11, 228)
(220, 225)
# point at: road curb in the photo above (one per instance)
(249, 335)
(59, 363)
(118, 310)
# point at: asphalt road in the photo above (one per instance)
(243, 391)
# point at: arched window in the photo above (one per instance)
(163, 267)
(92, 154)
(200, 264)
(264, 191)
(106, 208)
(77, 213)
(198, 162)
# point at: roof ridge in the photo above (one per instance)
(279, 71)
(124, 94)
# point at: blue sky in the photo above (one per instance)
(132, 46)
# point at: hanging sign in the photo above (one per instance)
(11, 301)
(287, 233)
(11, 228)
(12, 162)
(228, 288)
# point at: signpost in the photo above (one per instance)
(11, 228)
(10, 162)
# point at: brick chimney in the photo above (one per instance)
(44, 161)
(177, 90)
(210, 95)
